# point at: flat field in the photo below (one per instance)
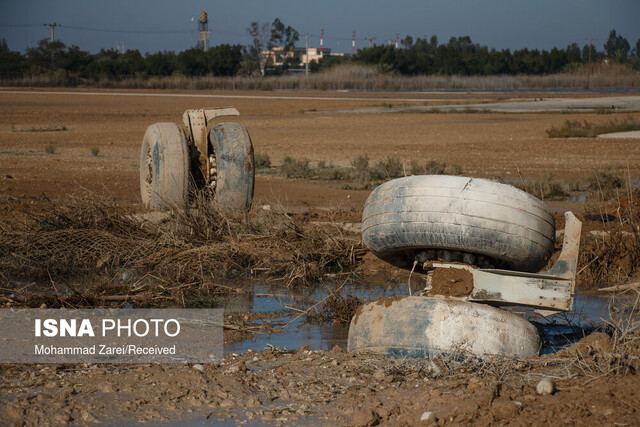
(48, 138)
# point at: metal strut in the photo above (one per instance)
(196, 122)
(550, 290)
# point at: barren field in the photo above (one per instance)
(56, 143)
(505, 145)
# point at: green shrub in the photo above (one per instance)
(434, 168)
(390, 168)
(262, 160)
(453, 170)
(292, 168)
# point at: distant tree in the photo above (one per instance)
(131, 62)
(285, 37)
(407, 42)
(635, 63)
(573, 53)
(161, 63)
(46, 56)
(260, 36)
(192, 62)
(617, 47)
(76, 60)
(224, 60)
(11, 63)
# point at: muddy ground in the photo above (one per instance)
(310, 387)
(326, 388)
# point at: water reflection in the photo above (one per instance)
(557, 331)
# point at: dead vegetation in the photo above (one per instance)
(609, 255)
(362, 174)
(585, 129)
(356, 77)
(177, 257)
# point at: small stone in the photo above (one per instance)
(198, 367)
(336, 349)
(240, 367)
(379, 375)
(256, 359)
(43, 306)
(427, 417)
(546, 386)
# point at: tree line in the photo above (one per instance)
(459, 56)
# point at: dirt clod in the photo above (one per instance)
(451, 282)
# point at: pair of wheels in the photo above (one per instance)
(454, 219)
(170, 167)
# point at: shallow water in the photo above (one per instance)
(321, 336)
(557, 331)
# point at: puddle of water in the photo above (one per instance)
(322, 336)
(590, 312)
(556, 331)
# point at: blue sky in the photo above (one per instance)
(154, 25)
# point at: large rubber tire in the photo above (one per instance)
(406, 216)
(164, 167)
(235, 166)
(428, 327)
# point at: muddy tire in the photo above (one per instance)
(428, 327)
(164, 167)
(235, 166)
(409, 217)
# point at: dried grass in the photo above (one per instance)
(91, 236)
(363, 78)
(585, 129)
(610, 256)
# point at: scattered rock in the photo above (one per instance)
(546, 386)
(240, 367)
(379, 375)
(427, 417)
(198, 367)
(336, 349)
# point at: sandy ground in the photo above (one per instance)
(326, 388)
